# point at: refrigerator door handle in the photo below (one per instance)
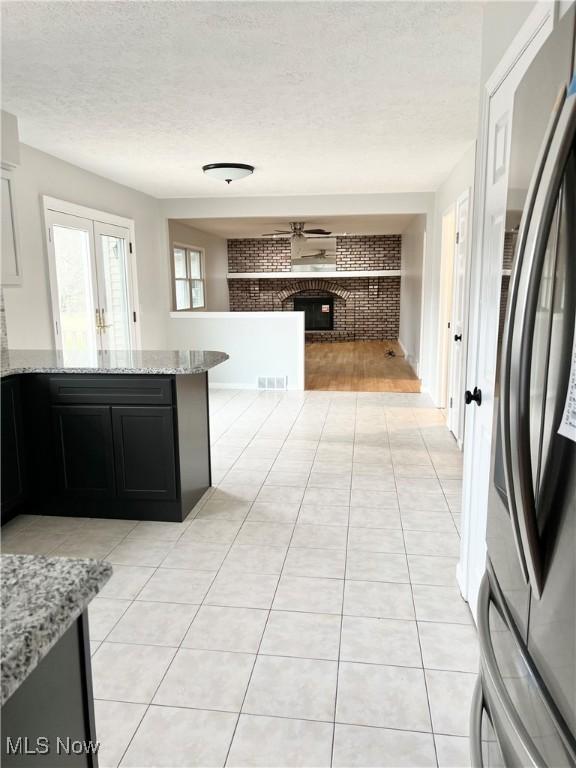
(516, 362)
(509, 325)
(476, 712)
(489, 668)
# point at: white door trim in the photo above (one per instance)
(459, 318)
(517, 58)
(447, 249)
(52, 205)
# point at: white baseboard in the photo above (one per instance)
(246, 385)
(412, 362)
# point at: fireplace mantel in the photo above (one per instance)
(314, 275)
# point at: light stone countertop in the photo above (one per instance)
(41, 598)
(141, 361)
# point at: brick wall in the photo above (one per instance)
(352, 252)
(368, 252)
(259, 255)
(503, 303)
(372, 311)
(509, 245)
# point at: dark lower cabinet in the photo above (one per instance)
(13, 469)
(49, 721)
(118, 446)
(84, 449)
(144, 452)
(115, 451)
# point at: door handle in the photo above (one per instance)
(494, 680)
(457, 337)
(506, 374)
(476, 712)
(519, 361)
(490, 594)
(104, 324)
(473, 397)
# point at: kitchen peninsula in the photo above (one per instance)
(120, 434)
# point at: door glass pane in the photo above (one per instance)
(75, 289)
(180, 263)
(182, 294)
(197, 293)
(195, 264)
(116, 316)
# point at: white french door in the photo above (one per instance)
(90, 281)
(112, 245)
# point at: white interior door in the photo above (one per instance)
(457, 340)
(73, 283)
(478, 441)
(112, 244)
(486, 277)
(445, 308)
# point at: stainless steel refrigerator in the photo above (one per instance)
(524, 708)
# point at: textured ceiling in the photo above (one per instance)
(390, 224)
(322, 97)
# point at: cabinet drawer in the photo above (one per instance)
(111, 390)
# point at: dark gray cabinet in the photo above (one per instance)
(119, 446)
(144, 452)
(84, 449)
(54, 702)
(13, 468)
(115, 451)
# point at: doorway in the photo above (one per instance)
(445, 301)
(91, 281)
(457, 335)
(452, 342)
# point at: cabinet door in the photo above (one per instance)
(84, 448)
(12, 448)
(144, 452)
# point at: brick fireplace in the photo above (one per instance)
(364, 308)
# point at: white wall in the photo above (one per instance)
(259, 344)
(413, 245)
(500, 22)
(215, 261)
(459, 180)
(297, 205)
(28, 313)
(10, 141)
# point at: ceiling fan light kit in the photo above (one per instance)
(228, 172)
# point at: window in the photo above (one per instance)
(188, 266)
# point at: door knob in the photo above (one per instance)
(475, 396)
(458, 337)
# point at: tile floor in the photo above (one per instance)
(306, 613)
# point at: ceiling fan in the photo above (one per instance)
(297, 230)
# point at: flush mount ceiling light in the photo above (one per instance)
(228, 171)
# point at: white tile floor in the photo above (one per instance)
(306, 613)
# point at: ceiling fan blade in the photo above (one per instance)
(317, 232)
(276, 232)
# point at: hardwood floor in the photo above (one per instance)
(359, 366)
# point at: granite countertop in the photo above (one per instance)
(41, 598)
(143, 361)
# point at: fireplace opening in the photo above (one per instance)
(318, 312)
